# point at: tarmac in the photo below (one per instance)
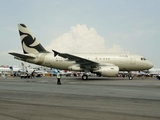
(99, 98)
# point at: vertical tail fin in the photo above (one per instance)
(11, 68)
(29, 42)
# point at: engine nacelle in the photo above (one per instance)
(75, 68)
(108, 71)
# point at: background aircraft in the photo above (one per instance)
(27, 72)
(153, 72)
(9, 70)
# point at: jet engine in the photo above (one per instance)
(107, 71)
(75, 67)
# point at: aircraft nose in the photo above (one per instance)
(149, 65)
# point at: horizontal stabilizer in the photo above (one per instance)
(23, 56)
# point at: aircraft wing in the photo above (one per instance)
(23, 56)
(84, 63)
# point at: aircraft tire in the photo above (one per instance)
(130, 78)
(158, 77)
(98, 75)
(84, 77)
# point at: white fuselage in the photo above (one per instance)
(153, 71)
(8, 70)
(125, 62)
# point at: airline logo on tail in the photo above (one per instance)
(29, 42)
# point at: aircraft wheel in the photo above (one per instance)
(158, 77)
(98, 75)
(123, 76)
(84, 77)
(130, 78)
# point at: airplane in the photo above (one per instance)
(27, 72)
(153, 72)
(107, 65)
(139, 73)
(14, 70)
(9, 70)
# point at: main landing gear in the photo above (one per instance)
(130, 76)
(84, 77)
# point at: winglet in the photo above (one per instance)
(55, 53)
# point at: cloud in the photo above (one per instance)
(81, 39)
(116, 49)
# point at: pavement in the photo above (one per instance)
(99, 98)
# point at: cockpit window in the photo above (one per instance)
(143, 58)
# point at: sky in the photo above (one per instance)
(83, 26)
